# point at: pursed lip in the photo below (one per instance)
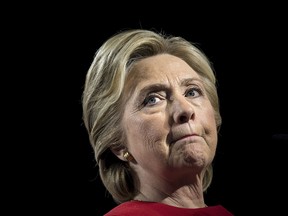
(185, 137)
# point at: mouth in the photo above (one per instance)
(185, 138)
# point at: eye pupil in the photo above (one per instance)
(152, 100)
(191, 93)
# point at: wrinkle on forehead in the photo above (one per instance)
(159, 66)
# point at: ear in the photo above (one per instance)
(119, 152)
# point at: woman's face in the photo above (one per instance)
(168, 120)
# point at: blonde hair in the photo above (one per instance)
(102, 103)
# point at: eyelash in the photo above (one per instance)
(198, 90)
(154, 96)
(148, 98)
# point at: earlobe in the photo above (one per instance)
(122, 154)
(128, 156)
(119, 152)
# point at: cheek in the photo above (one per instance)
(211, 120)
(143, 132)
(211, 128)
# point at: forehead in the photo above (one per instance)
(160, 68)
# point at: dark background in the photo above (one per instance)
(52, 167)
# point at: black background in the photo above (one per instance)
(52, 167)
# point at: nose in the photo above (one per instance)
(182, 110)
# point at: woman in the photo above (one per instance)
(151, 109)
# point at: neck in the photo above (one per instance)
(184, 198)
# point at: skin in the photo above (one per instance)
(171, 131)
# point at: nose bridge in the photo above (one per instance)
(182, 108)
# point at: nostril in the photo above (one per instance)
(183, 118)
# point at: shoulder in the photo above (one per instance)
(218, 210)
(137, 208)
(134, 208)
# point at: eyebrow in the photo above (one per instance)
(160, 86)
(188, 81)
(153, 88)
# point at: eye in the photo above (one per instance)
(193, 92)
(151, 100)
